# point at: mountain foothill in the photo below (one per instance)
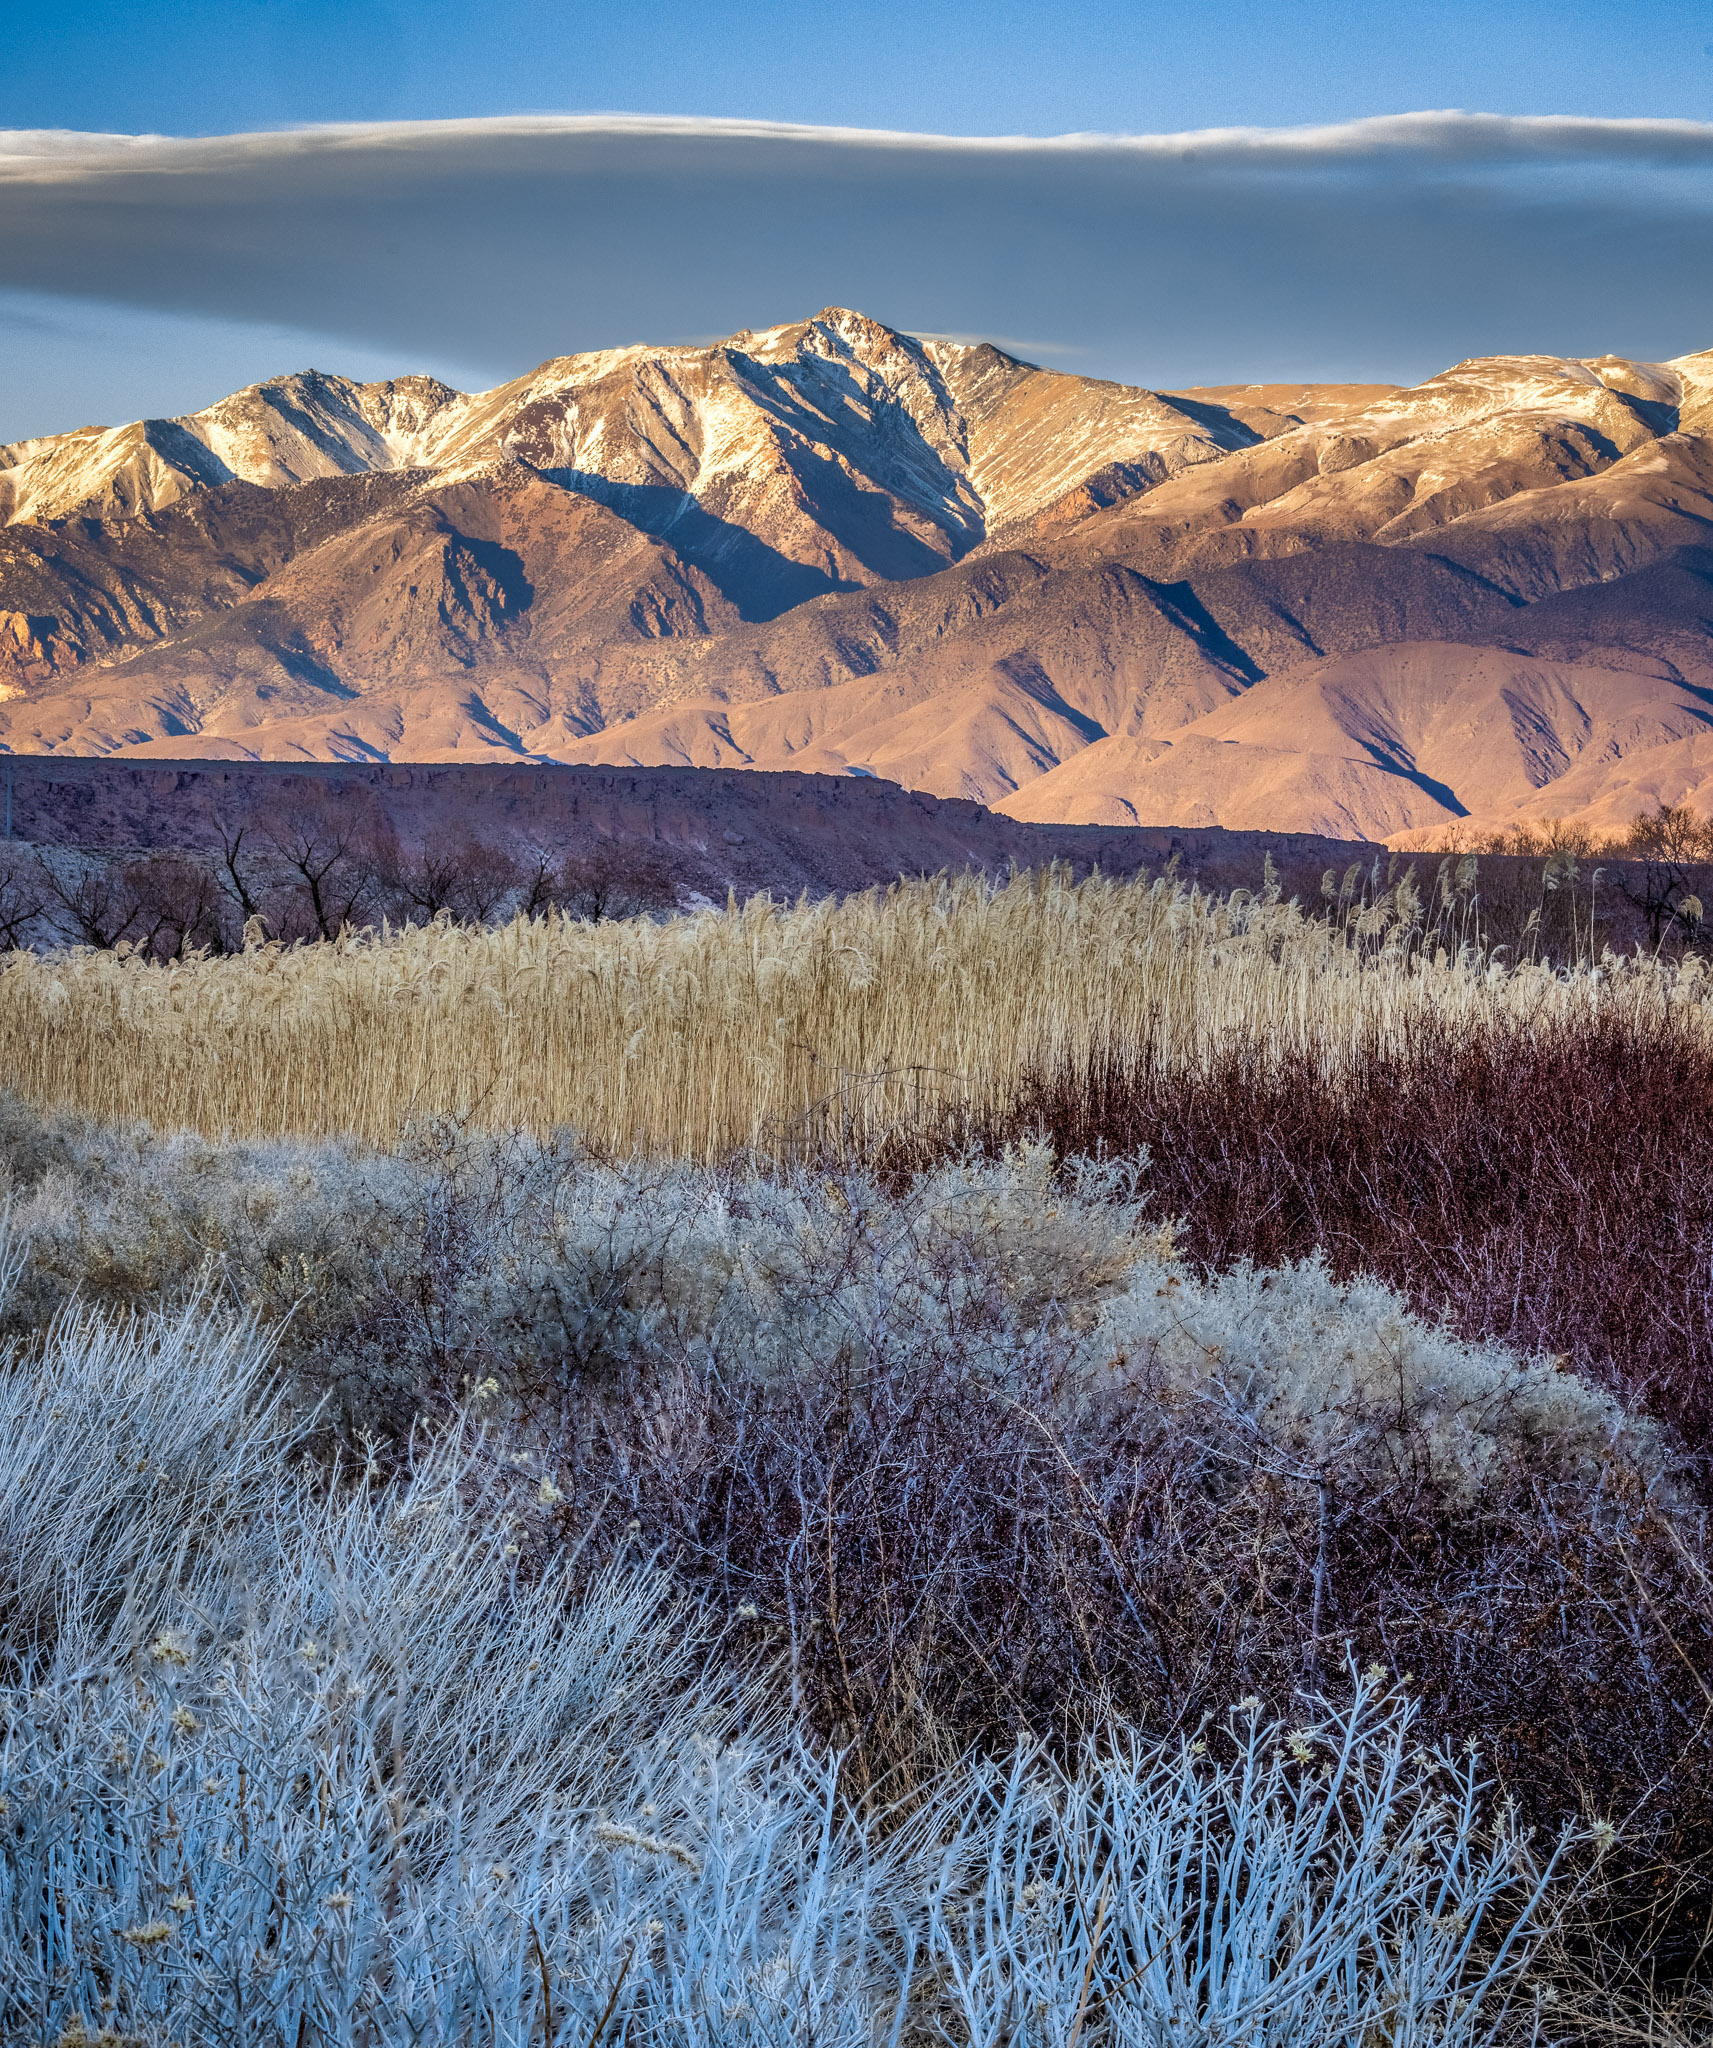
(1389, 613)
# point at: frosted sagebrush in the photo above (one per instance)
(131, 1449)
(466, 1256)
(337, 1772)
(1322, 1376)
(252, 1874)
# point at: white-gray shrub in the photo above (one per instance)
(302, 1758)
(469, 1254)
(1316, 1375)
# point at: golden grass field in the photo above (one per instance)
(769, 1027)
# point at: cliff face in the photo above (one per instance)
(831, 546)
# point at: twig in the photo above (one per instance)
(547, 1990)
(1088, 1963)
(624, 1972)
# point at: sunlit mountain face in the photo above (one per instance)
(1366, 611)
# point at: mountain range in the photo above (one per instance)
(1364, 611)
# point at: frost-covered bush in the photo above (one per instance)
(969, 1452)
(318, 1242)
(465, 1254)
(306, 1755)
(131, 1449)
(1322, 1376)
(229, 1874)
(464, 1257)
(301, 1749)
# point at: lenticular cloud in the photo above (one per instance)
(1382, 248)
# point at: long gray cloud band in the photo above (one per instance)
(1385, 247)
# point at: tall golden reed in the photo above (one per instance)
(768, 1026)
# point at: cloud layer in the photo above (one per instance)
(1383, 248)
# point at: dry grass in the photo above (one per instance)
(816, 1027)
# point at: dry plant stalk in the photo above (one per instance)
(770, 1028)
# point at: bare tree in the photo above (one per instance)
(178, 905)
(538, 870)
(99, 904)
(163, 904)
(462, 875)
(22, 901)
(334, 853)
(239, 860)
(1665, 856)
(615, 880)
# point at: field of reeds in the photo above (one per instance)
(767, 1028)
(1067, 1464)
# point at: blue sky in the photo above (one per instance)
(977, 67)
(156, 280)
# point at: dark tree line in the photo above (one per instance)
(313, 865)
(309, 869)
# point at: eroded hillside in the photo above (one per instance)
(1355, 610)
